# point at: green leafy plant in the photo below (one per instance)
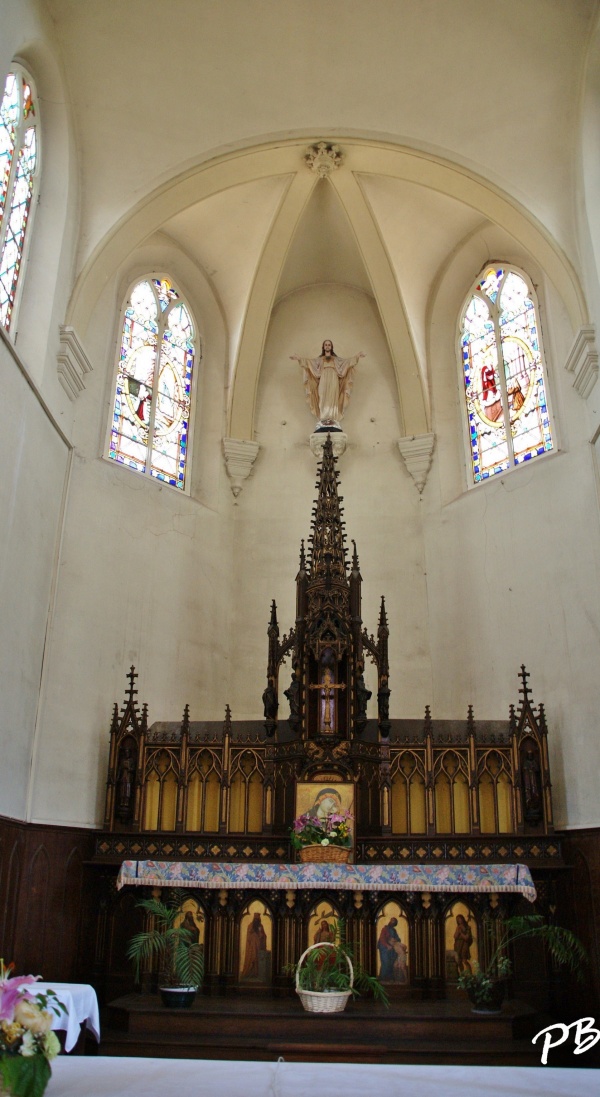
(326, 969)
(563, 946)
(181, 957)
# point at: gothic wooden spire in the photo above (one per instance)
(327, 539)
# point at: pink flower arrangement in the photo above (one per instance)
(334, 829)
(27, 1043)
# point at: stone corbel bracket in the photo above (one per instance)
(339, 441)
(582, 361)
(240, 456)
(417, 453)
(72, 362)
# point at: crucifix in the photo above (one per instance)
(327, 710)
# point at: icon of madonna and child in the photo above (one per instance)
(324, 814)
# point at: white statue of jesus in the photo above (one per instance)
(328, 383)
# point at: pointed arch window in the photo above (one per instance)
(19, 160)
(503, 373)
(151, 408)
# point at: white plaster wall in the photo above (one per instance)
(145, 570)
(381, 504)
(513, 565)
(35, 467)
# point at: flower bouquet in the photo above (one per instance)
(323, 838)
(27, 1043)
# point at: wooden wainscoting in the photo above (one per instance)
(47, 908)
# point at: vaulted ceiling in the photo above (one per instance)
(192, 119)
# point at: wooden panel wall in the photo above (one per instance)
(581, 850)
(47, 900)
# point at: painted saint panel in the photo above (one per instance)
(192, 918)
(256, 944)
(321, 924)
(460, 941)
(392, 945)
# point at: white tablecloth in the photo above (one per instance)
(81, 1006)
(94, 1076)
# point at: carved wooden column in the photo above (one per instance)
(182, 782)
(429, 784)
(473, 785)
(225, 783)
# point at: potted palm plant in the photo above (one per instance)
(175, 942)
(327, 975)
(486, 986)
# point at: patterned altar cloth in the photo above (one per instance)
(215, 874)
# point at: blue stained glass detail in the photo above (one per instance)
(154, 382)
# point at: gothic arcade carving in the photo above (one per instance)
(228, 790)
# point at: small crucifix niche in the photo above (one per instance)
(328, 702)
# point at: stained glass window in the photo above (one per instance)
(18, 164)
(503, 372)
(150, 424)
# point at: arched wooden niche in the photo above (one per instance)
(460, 940)
(392, 945)
(321, 923)
(191, 916)
(255, 944)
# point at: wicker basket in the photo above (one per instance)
(323, 1001)
(339, 854)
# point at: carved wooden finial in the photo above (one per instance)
(144, 721)
(132, 677)
(427, 724)
(524, 690)
(185, 723)
(227, 724)
(355, 563)
(470, 720)
(114, 725)
(273, 623)
(383, 621)
(328, 553)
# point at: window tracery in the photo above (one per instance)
(19, 159)
(151, 408)
(503, 373)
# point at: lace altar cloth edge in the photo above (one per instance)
(221, 874)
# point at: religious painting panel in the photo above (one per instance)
(191, 917)
(391, 932)
(460, 941)
(330, 805)
(321, 923)
(256, 945)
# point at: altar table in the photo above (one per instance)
(81, 1006)
(332, 876)
(94, 1076)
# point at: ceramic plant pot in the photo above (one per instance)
(177, 997)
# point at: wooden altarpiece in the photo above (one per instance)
(426, 792)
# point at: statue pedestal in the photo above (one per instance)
(339, 441)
